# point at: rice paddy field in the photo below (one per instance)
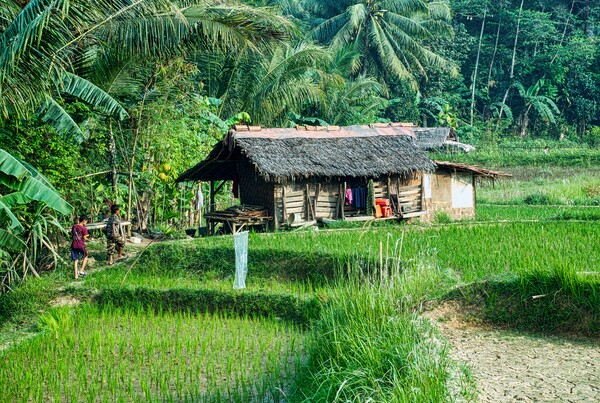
(327, 315)
(116, 355)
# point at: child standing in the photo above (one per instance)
(114, 239)
(79, 235)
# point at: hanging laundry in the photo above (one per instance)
(356, 198)
(363, 198)
(348, 197)
(199, 199)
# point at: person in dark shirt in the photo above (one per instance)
(114, 237)
(79, 234)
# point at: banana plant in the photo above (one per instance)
(26, 201)
(540, 98)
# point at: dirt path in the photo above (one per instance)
(511, 367)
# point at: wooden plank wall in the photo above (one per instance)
(325, 198)
(408, 192)
(254, 189)
(310, 200)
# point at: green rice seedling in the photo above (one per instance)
(111, 355)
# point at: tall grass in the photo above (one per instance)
(535, 213)
(578, 156)
(368, 346)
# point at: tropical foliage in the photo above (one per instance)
(388, 34)
(112, 99)
(24, 219)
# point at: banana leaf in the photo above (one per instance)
(10, 242)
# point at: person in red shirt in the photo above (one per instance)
(79, 234)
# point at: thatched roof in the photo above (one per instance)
(353, 151)
(434, 138)
(475, 169)
(431, 138)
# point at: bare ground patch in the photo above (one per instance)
(65, 300)
(510, 366)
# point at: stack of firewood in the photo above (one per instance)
(247, 211)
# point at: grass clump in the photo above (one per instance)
(539, 199)
(366, 347)
(442, 217)
(563, 302)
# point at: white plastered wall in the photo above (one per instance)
(462, 190)
(427, 186)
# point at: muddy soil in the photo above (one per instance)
(514, 367)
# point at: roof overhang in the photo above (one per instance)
(474, 169)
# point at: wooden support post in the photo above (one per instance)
(310, 214)
(344, 201)
(339, 203)
(284, 210)
(474, 180)
(400, 213)
(422, 207)
(389, 187)
(275, 218)
(317, 191)
(211, 207)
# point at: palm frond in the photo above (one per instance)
(86, 91)
(6, 214)
(30, 183)
(54, 114)
(35, 189)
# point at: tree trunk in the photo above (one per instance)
(112, 159)
(512, 63)
(525, 121)
(564, 33)
(489, 80)
(137, 125)
(474, 83)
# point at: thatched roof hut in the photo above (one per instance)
(306, 173)
(287, 154)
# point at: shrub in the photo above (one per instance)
(539, 199)
(592, 137)
(442, 217)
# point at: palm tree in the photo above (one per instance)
(49, 47)
(348, 100)
(265, 85)
(390, 34)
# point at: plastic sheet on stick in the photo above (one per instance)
(240, 241)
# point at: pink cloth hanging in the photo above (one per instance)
(348, 196)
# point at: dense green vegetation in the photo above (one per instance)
(361, 334)
(111, 100)
(134, 93)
